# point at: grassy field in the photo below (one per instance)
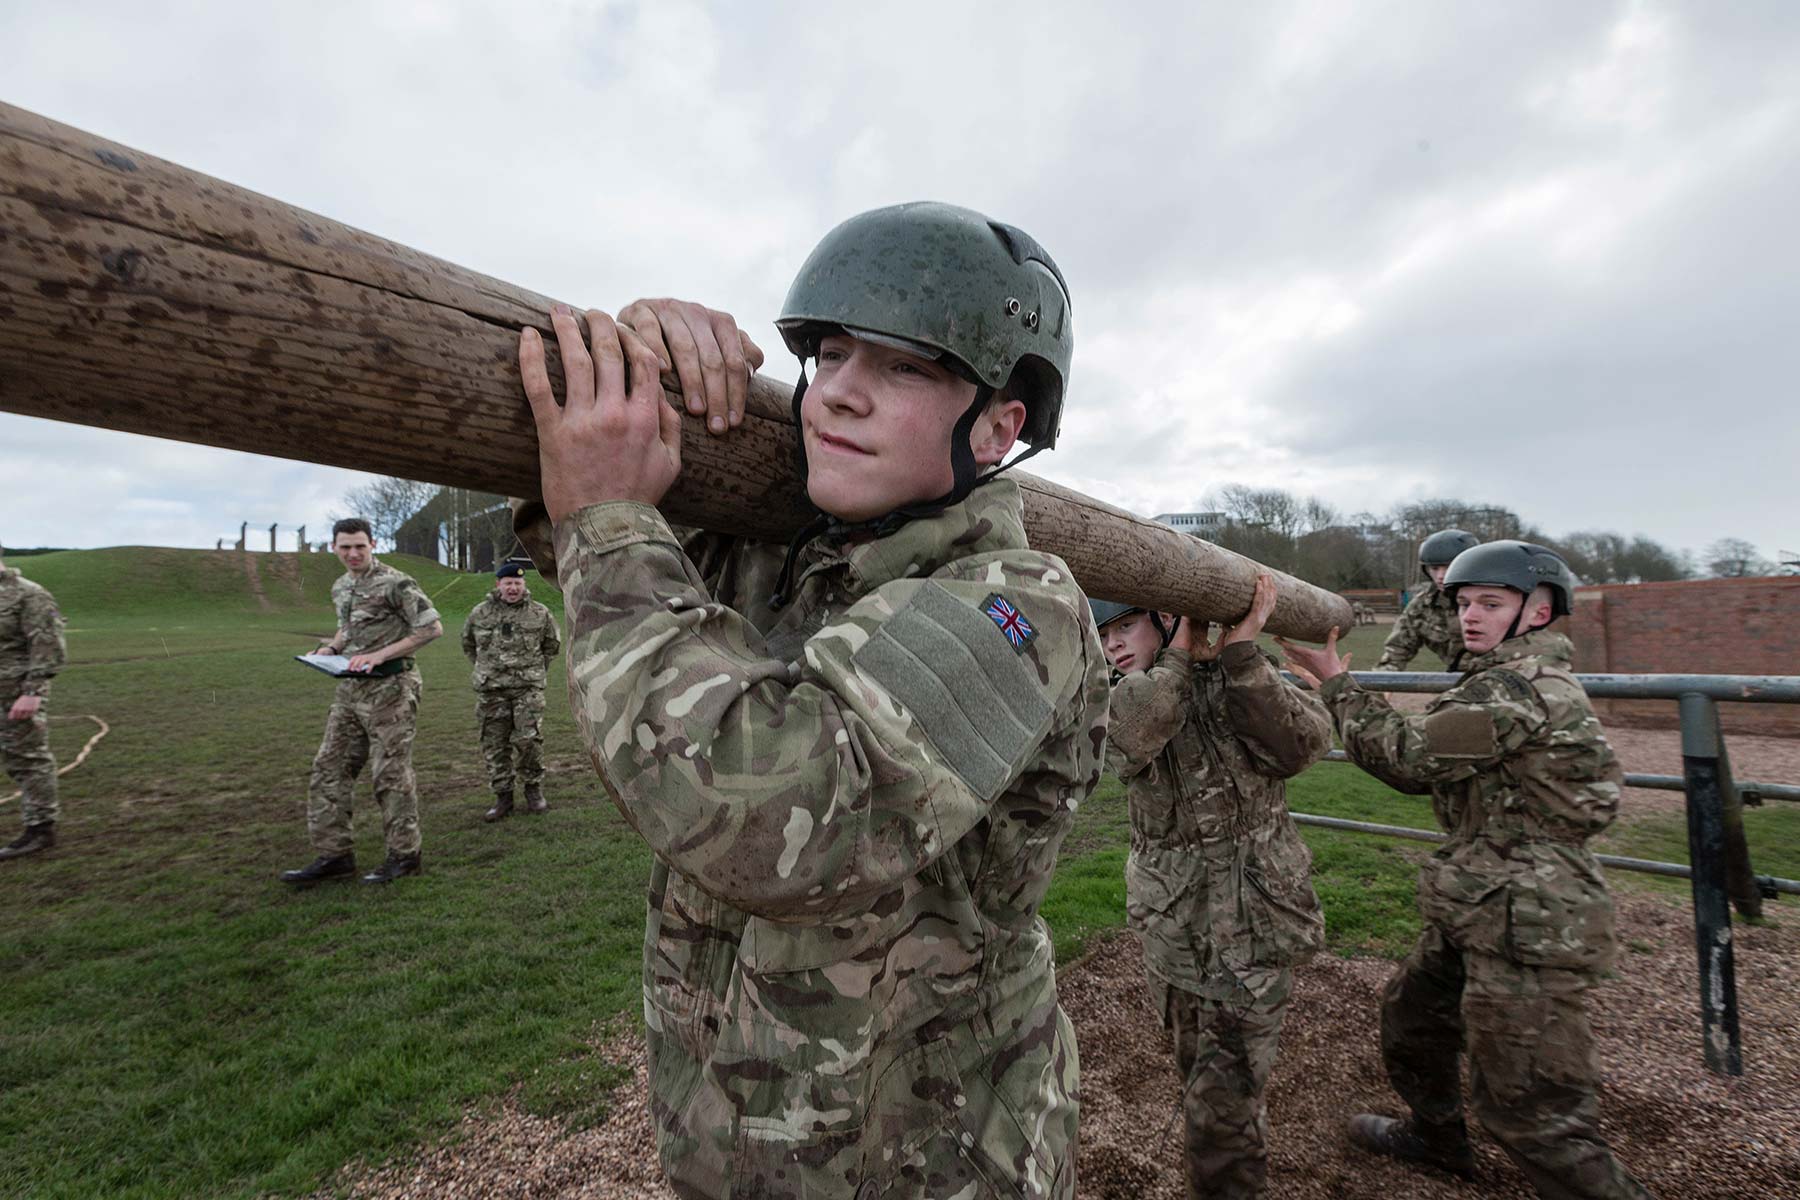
(174, 1022)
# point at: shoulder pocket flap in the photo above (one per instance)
(1461, 733)
(978, 700)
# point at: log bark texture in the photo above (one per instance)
(140, 296)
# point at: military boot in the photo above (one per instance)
(396, 866)
(326, 866)
(534, 798)
(1445, 1147)
(35, 838)
(503, 806)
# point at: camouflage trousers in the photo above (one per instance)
(1533, 1073)
(512, 724)
(1225, 1051)
(25, 754)
(370, 719)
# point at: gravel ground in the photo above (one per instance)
(1658, 752)
(1683, 1131)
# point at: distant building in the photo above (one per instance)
(1201, 524)
(464, 530)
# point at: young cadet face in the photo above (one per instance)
(1130, 643)
(512, 589)
(1437, 571)
(877, 424)
(1486, 612)
(354, 550)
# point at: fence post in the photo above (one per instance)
(1701, 762)
(1740, 878)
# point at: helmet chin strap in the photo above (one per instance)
(965, 478)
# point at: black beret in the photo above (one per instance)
(507, 570)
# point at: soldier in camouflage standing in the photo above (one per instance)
(31, 653)
(1518, 923)
(511, 639)
(854, 760)
(383, 617)
(1430, 619)
(1218, 882)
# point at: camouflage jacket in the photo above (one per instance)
(379, 609)
(32, 650)
(510, 644)
(855, 803)
(1429, 621)
(1218, 882)
(1521, 777)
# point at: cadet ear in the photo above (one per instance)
(997, 429)
(1540, 608)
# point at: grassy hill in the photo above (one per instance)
(143, 584)
(127, 602)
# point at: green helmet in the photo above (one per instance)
(1108, 611)
(1521, 566)
(1442, 547)
(946, 283)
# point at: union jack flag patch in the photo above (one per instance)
(1010, 620)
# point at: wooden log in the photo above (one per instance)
(141, 296)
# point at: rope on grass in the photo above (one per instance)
(79, 758)
(451, 584)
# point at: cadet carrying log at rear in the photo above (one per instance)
(1518, 922)
(1429, 619)
(1218, 884)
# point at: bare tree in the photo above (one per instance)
(1271, 509)
(1649, 561)
(385, 502)
(1489, 522)
(1733, 558)
(1339, 557)
(1596, 556)
(1317, 516)
(1308, 537)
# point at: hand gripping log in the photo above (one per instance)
(141, 296)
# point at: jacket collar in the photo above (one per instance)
(1539, 643)
(377, 568)
(989, 519)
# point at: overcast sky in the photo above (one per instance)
(1541, 255)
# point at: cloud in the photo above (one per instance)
(1538, 253)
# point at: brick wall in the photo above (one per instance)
(1382, 600)
(1699, 626)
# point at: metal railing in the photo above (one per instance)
(1768, 886)
(1719, 857)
